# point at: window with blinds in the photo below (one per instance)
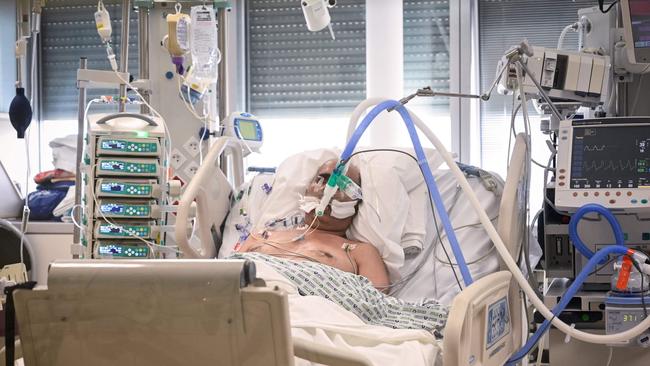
(293, 71)
(67, 33)
(7, 54)
(426, 50)
(502, 24)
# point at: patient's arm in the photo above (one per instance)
(371, 265)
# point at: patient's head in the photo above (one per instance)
(316, 187)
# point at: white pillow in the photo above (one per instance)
(244, 211)
(291, 180)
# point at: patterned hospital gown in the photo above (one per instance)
(356, 294)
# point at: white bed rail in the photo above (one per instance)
(476, 309)
(203, 189)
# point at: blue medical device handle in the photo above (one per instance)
(619, 237)
(105, 119)
(594, 259)
(424, 165)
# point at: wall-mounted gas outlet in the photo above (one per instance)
(192, 146)
(177, 159)
(191, 169)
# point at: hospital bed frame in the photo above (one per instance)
(160, 312)
(198, 310)
(467, 319)
(166, 312)
(203, 312)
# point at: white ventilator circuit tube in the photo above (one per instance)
(501, 247)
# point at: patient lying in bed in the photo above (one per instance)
(325, 242)
(316, 258)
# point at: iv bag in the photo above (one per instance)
(204, 44)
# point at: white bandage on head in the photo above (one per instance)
(343, 210)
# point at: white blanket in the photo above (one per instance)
(319, 320)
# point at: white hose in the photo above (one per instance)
(581, 32)
(357, 113)
(510, 263)
(503, 250)
(560, 41)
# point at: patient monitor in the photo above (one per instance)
(246, 127)
(604, 161)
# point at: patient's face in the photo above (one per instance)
(316, 188)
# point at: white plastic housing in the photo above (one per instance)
(317, 14)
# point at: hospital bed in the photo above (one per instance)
(223, 312)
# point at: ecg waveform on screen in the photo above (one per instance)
(594, 148)
(610, 166)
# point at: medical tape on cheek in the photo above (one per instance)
(308, 203)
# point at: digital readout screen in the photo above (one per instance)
(610, 157)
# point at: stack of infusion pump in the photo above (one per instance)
(123, 180)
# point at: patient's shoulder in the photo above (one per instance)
(363, 246)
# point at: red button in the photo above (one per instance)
(612, 201)
(607, 193)
(597, 194)
(618, 194)
(561, 184)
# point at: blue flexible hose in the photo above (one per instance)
(619, 237)
(428, 175)
(594, 259)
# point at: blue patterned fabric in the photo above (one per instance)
(356, 294)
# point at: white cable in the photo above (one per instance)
(565, 30)
(187, 103)
(503, 250)
(72, 212)
(529, 158)
(152, 246)
(560, 41)
(26, 211)
(580, 35)
(152, 109)
(611, 356)
(206, 112)
(205, 118)
(512, 265)
(32, 91)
